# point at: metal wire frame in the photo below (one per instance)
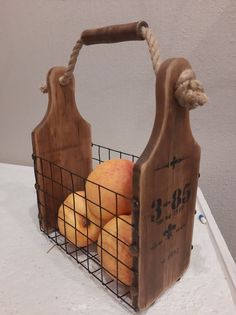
(86, 256)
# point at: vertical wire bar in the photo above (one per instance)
(92, 149)
(109, 154)
(63, 207)
(73, 194)
(45, 203)
(51, 176)
(86, 217)
(100, 209)
(117, 258)
(99, 154)
(35, 158)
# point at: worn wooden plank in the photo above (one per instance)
(165, 186)
(63, 137)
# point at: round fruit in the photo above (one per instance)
(73, 222)
(108, 252)
(107, 179)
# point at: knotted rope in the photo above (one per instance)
(189, 92)
(65, 79)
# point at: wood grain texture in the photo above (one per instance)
(114, 33)
(64, 138)
(165, 187)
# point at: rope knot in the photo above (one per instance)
(189, 91)
(43, 88)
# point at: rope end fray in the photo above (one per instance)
(190, 92)
(43, 88)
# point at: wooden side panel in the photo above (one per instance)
(64, 138)
(165, 187)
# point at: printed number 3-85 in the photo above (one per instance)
(179, 197)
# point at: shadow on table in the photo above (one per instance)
(33, 213)
(198, 261)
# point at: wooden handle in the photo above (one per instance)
(114, 33)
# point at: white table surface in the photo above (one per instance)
(35, 282)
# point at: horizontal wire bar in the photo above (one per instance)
(113, 150)
(79, 176)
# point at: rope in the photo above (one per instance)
(189, 92)
(64, 80)
(152, 46)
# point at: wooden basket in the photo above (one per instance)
(165, 179)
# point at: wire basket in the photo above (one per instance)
(87, 255)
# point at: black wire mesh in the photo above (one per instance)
(91, 255)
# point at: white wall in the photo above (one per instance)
(115, 83)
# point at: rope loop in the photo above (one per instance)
(189, 92)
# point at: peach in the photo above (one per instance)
(113, 176)
(107, 248)
(73, 222)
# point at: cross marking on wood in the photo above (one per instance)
(168, 232)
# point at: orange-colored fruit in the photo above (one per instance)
(109, 177)
(107, 248)
(73, 222)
